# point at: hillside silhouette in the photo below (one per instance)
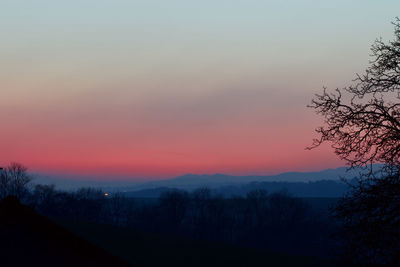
(29, 239)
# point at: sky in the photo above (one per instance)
(155, 89)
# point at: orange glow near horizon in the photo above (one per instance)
(240, 153)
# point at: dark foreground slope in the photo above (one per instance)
(28, 239)
(154, 249)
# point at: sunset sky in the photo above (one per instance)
(155, 89)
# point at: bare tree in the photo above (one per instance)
(43, 195)
(201, 198)
(257, 207)
(120, 207)
(363, 120)
(362, 123)
(14, 180)
(85, 193)
(4, 183)
(175, 203)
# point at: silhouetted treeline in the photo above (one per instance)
(276, 221)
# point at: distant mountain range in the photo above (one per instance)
(192, 181)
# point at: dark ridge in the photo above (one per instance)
(29, 239)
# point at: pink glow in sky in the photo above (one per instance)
(146, 89)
